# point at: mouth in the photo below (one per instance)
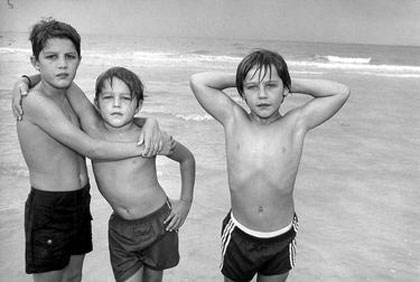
(62, 75)
(263, 105)
(117, 114)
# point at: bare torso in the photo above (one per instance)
(263, 161)
(52, 165)
(130, 186)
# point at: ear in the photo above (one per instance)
(96, 104)
(139, 107)
(35, 63)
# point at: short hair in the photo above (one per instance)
(128, 77)
(262, 59)
(50, 28)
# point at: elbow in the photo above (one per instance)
(344, 92)
(194, 80)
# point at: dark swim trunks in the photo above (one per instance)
(244, 255)
(57, 226)
(141, 242)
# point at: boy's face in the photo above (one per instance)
(263, 92)
(116, 104)
(57, 62)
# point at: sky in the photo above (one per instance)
(388, 22)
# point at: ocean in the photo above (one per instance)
(357, 191)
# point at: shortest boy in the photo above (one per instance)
(143, 238)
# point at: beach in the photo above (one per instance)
(357, 191)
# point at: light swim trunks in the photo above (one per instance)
(141, 242)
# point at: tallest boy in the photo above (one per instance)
(57, 214)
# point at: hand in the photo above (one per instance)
(178, 214)
(19, 91)
(151, 138)
(168, 144)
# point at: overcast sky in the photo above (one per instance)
(393, 22)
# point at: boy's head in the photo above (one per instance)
(118, 97)
(130, 79)
(262, 61)
(49, 29)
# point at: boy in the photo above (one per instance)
(57, 213)
(140, 245)
(258, 233)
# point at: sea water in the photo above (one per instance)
(357, 189)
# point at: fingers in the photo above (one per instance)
(173, 222)
(17, 97)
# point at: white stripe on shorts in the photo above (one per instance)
(226, 236)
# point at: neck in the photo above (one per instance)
(265, 121)
(119, 130)
(50, 90)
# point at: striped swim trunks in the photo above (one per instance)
(246, 252)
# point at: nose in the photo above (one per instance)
(262, 93)
(117, 102)
(62, 62)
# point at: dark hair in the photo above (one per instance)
(262, 59)
(128, 77)
(50, 28)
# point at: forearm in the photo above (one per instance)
(112, 151)
(318, 87)
(215, 80)
(187, 169)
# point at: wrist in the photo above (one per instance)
(27, 80)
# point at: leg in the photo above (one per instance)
(73, 271)
(273, 278)
(150, 275)
(137, 277)
(227, 279)
(51, 276)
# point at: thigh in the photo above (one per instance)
(273, 278)
(51, 276)
(73, 271)
(137, 276)
(151, 275)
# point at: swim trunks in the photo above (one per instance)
(57, 226)
(244, 254)
(141, 242)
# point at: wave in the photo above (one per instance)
(342, 60)
(311, 65)
(195, 117)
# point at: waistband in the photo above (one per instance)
(82, 191)
(156, 214)
(261, 234)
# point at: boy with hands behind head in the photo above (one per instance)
(263, 152)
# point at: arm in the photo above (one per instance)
(208, 89)
(181, 207)
(47, 116)
(154, 141)
(329, 98)
(19, 91)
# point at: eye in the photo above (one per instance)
(126, 98)
(71, 56)
(50, 57)
(250, 87)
